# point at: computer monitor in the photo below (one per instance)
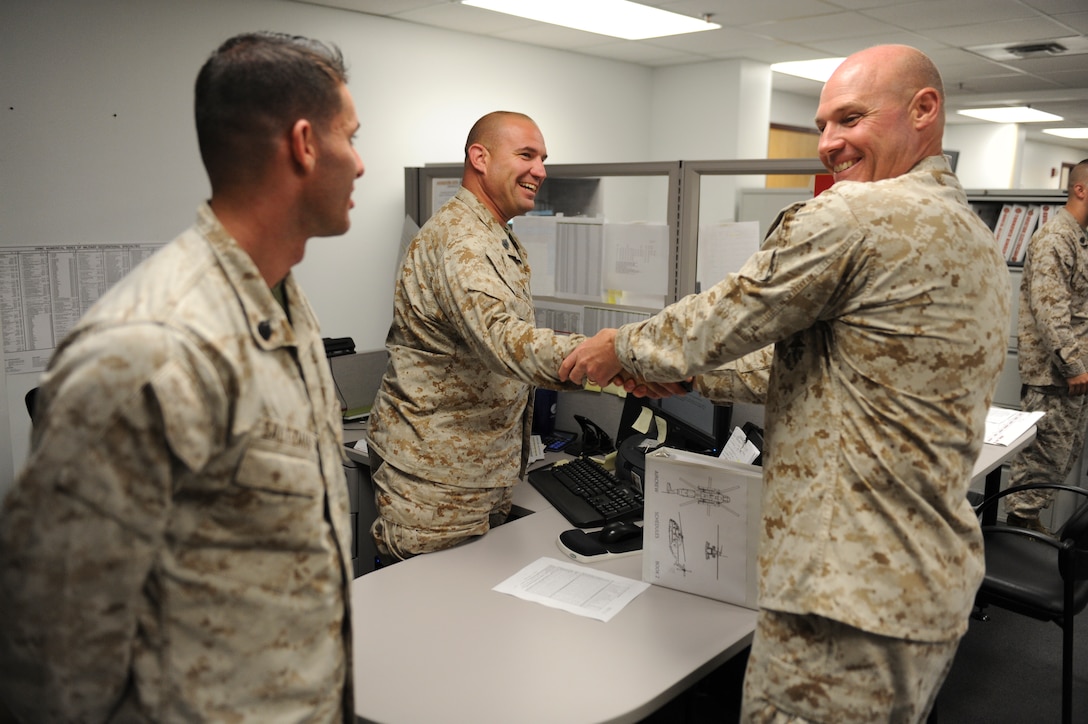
(692, 422)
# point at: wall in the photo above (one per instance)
(791, 109)
(988, 154)
(1043, 164)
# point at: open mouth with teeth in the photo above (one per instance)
(840, 167)
(529, 186)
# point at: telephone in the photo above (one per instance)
(595, 441)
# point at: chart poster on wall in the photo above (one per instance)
(44, 290)
(442, 190)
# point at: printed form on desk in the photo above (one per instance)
(1004, 426)
(574, 588)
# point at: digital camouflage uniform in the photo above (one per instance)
(453, 415)
(889, 306)
(178, 546)
(1053, 347)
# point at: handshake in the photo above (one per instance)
(595, 361)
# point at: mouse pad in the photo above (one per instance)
(582, 546)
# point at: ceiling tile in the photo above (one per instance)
(822, 27)
(929, 14)
(1012, 32)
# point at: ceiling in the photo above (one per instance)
(957, 34)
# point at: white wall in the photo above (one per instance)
(1042, 168)
(988, 155)
(791, 109)
(708, 111)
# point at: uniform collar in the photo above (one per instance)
(266, 319)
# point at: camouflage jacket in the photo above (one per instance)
(889, 306)
(455, 403)
(178, 546)
(1053, 321)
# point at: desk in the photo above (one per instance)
(989, 463)
(434, 643)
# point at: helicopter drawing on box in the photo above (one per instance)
(704, 515)
(714, 551)
(709, 497)
(676, 545)
(704, 495)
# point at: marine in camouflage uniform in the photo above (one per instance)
(1053, 352)
(178, 546)
(887, 304)
(451, 423)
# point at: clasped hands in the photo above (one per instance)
(595, 361)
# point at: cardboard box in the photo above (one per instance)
(702, 525)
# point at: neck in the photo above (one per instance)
(263, 229)
(473, 184)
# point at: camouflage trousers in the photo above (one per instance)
(806, 669)
(416, 515)
(1059, 439)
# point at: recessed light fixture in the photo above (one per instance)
(1010, 114)
(1067, 132)
(819, 69)
(617, 18)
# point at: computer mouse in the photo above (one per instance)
(619, 531)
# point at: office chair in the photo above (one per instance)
(30, 399)
(1044, 577)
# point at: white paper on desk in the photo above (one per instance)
(574, 588)
(1004, 426)
(738, 449)
(360, 445)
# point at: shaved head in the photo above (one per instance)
(880, 113)
(486, 130)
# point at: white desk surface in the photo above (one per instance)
(434, 643)
(991, 457)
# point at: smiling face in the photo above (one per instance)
(876, 120)
(510, 167)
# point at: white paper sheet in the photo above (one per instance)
(574, 588)
(723, 248)
(538, 235)
(1003, 426)
(738, 449)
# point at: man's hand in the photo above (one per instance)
(593, 361)
(1078, 385)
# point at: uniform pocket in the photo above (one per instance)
(287, 471)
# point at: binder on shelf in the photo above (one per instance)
(1008, 228)
(1031, 222)
(1046, 211)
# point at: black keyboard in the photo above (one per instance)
(586, 494)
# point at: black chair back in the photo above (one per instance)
(1073, 563)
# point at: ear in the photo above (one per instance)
(925, 107)
(478, 156)
(304, 144)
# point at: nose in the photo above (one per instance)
(359, 168)
(829, 142)
(538, 170)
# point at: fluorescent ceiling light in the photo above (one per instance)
(1012, 114)
(617, 18)
(819, 69)
(1067, 132)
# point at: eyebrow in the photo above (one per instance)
(533, 150)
